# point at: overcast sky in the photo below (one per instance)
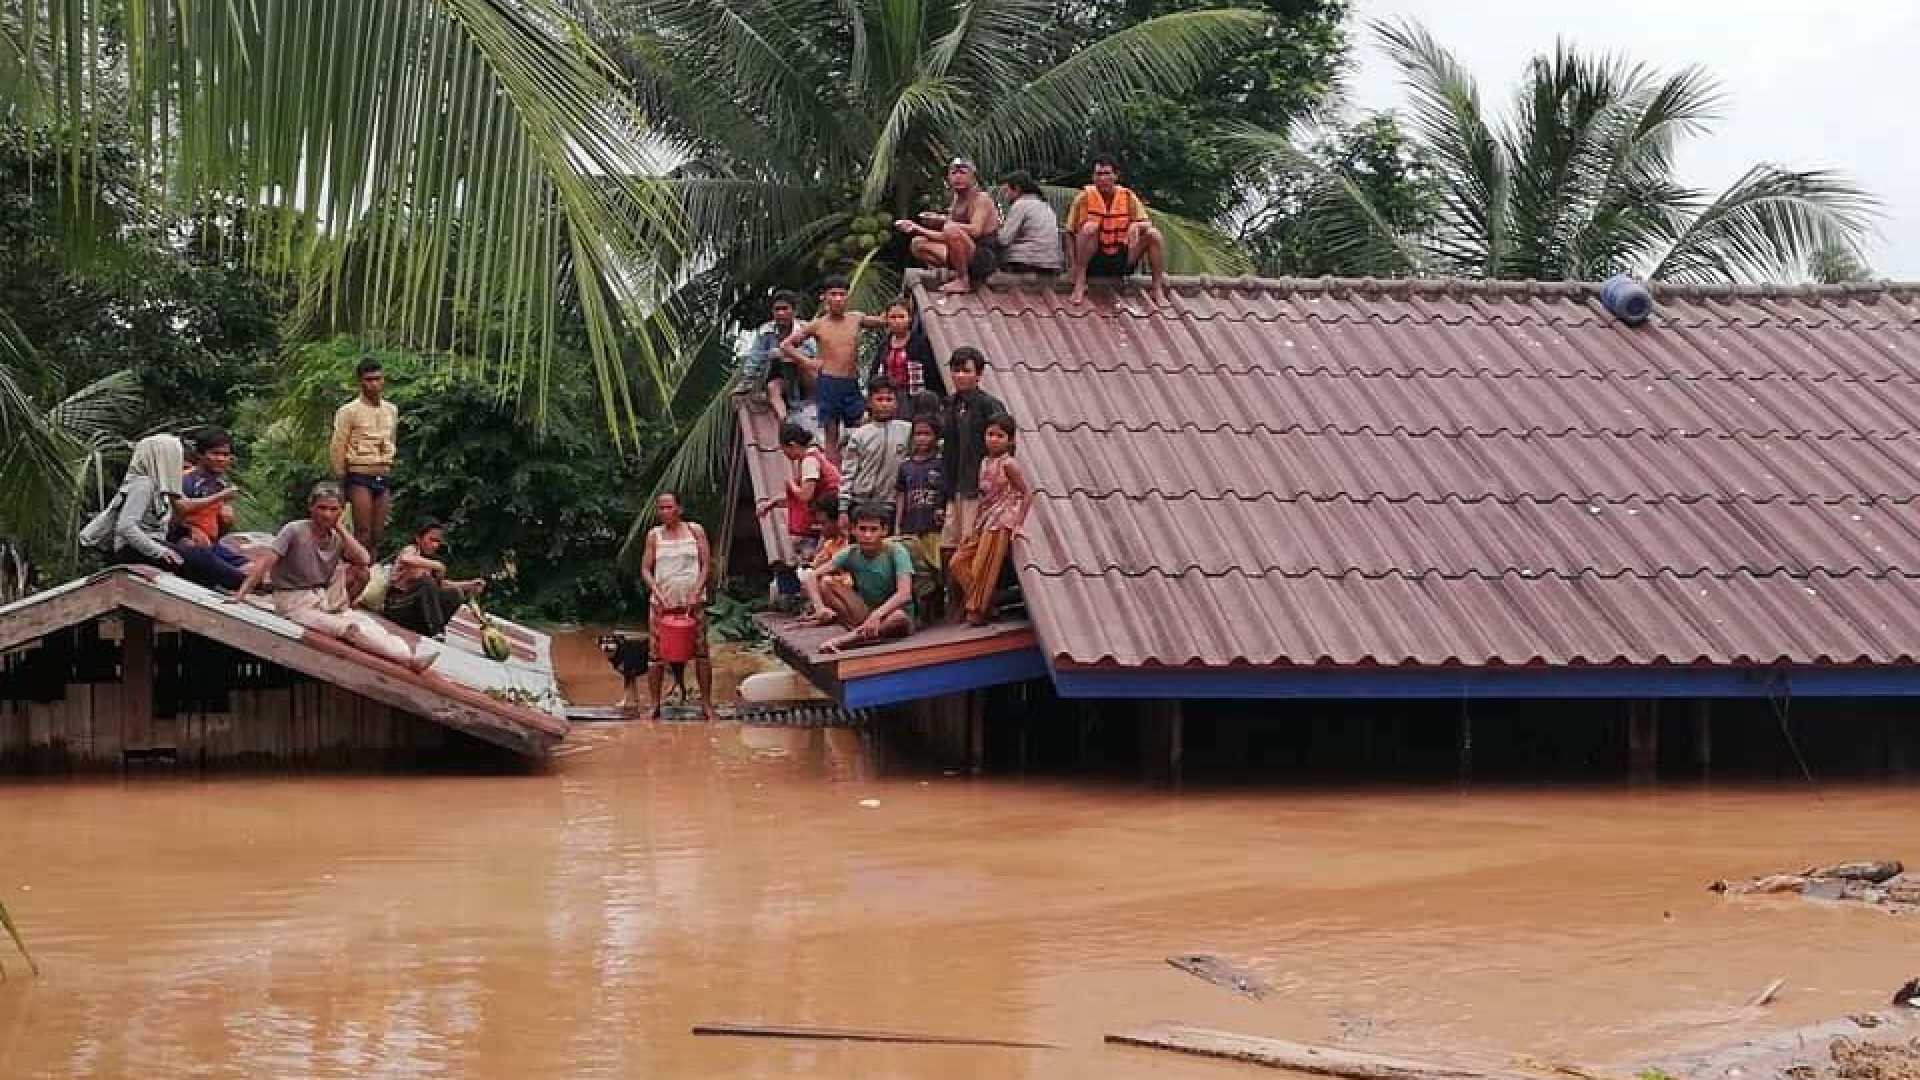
(1807, 83)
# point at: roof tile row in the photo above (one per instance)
(1461, 473)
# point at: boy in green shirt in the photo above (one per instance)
(878, 604)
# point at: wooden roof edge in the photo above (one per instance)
(517, 727)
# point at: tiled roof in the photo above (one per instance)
(1477, 473)
(767, 471)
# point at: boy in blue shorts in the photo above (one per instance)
(836, 331)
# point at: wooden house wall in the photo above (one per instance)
(65, 705)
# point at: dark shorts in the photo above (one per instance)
(986, 259)
(1109, 266)
(375, 485)
(839, 399)
(1026, 268)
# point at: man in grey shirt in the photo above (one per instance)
(302, 564)
(1031, 232)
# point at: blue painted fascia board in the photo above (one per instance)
(933, 680)
(1386, 683)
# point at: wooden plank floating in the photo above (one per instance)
(1299, 1057)
(789, 1031)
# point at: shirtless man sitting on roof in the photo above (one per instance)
(837, 333)
(966, 237)
(1109, 233)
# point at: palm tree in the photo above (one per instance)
(797, 117)
(53, 441)
(803, 126)
(451, 175)
(1577, 182)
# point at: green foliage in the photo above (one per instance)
(1285, 230)
(729, 618)
(119, 289)
(540, 514)
(1832, 265)
(1168, 144)
(1576, 182)
(462, 175)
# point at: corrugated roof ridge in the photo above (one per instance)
(1455, 287)
(1026, 563)
(1417, 371)
(1854, 434)
(1305, 495)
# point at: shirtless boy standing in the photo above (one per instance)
(837, 333)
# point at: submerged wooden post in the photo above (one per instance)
(1162, 741)
(136, 682)
(1176, 714)
(976, 732)
(1703, 734)
(1643, 740)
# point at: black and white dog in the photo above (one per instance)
(628, 655)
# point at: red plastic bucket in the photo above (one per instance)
(676, 637)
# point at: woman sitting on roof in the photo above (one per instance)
(133, 528)
(419, 596)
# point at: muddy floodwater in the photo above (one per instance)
(575, 924)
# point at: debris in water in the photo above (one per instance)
(1221, 973)
(1299, 1057)
(1879, 883)
(1765, 997)
(1908, 994)
(871, 804)
(791, 1031)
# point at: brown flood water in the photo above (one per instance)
(575, 924)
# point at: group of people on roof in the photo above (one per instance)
(174, 511)
(1108, 234)
(902, 486)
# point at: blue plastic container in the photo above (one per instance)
(1629, 300)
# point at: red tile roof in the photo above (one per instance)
(1483, 473)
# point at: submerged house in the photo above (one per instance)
(132, 665)
(1448, 491)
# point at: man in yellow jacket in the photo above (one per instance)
(1109, 233)
(363, 447)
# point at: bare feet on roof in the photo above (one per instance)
(1078, 296)
(1160, 295)
(956, 286)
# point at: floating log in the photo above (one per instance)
(1873, 871)
(790, 1031)
(1221, 973)
(1300, 1057)
(1765, 997)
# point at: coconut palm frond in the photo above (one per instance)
(1453, 129)
(1170, 54)
(695, 465)
(1609, 217)
(476, 153)
(1769, 222)
(1359, 237)
(922, 109)
(100, 409)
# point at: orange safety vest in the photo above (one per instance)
(1114, 217)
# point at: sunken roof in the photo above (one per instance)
(1337, 472)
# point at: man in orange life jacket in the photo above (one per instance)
(1110, 233)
